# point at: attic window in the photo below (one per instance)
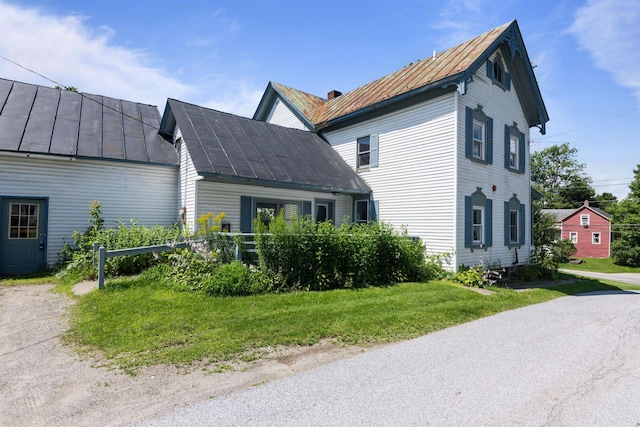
(497, 73)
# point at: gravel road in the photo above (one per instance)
(574, 361)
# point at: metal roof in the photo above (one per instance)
(42, 120)
(562, 214)
(452, 67)
(227, 147)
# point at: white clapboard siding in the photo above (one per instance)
(216, 197)
(281, 115)
(504, 107)
(126, 191)
(415, 180)
(187, 184)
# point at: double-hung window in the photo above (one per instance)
(478, 136)
(514, 222)
(595, 238)
(573, 236)
(478, 221)
(584, 220)
(364, 152)
(478, 140)
(362, 211)
(514, 148)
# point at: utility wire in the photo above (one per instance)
(82, 94)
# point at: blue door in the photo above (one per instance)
(23, 238)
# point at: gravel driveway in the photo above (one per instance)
(574, 361)
(43, 383)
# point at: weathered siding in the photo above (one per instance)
(415, 180)
(504, 107)
(125, 190)
(281, 115)
(216, 197)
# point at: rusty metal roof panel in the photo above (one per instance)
(310, 106)
(428, 71)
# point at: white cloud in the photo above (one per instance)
(610, 31)
(240, 99)
(67, 51)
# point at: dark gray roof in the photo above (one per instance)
(561, 214)
(228, 147)
(37, 119)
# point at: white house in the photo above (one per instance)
(440, 147)
(247, 168)
(442, 143)
(60, 150)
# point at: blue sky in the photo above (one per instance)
(221, 54)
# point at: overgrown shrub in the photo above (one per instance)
(479, 275)
(232, 279)
(625, 250)
(310, 256)
(80, 254)
(562, 250)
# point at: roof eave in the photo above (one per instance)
(268, 99)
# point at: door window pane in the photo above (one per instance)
(23, 221)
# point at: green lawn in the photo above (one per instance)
(137, 322)
(604, 265)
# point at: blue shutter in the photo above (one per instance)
(488, 212)
(468, 133)
(521, 214)
(468, 222)
(246, 214)
(489, 140)
(507, 224)
(306, 208)
(521, 153)
(373, 147)
(507, 145)
(374, 206)
(490, 69)
(507, 81)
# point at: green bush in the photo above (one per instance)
(80, 257)
(232, 279)
(308, 256)
(562, 250)
(479, 275)
(625, 250)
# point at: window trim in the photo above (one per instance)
(480, 226)
(513, 152)
(359, 153)
(573, 237)
(482, 155)
(593, 238)
(355, 211)
(474, 202)
(513, 134)
(584, 217)
(478, 116)
(513, 226)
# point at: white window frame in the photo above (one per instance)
(360, 154)
(596, 238)
(514, 145)
(514, 227)
(573, 236)
(481, 143)
(479, 227)
(359, 220)
(584, 220)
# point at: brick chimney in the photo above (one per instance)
(586, 203)
(333, 94)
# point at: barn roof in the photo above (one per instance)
(453, 68)
(42, 120)
(227, 147)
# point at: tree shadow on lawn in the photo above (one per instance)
(572, 285)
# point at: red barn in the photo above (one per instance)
(587, 227)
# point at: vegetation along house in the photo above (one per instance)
(440, 147)
(588, 228)
(443, 144)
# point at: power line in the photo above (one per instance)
(81, 94)
(589, 125)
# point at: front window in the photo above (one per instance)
(266, 211)
(23, 222)
(595, 238)
(513, 226)
(478, 215)
(322, 212)
(513, 152)
(362, 211)
(478, 140)
(584, 220)
(364, 151)
(573, 236)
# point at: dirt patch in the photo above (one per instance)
(43, 382)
